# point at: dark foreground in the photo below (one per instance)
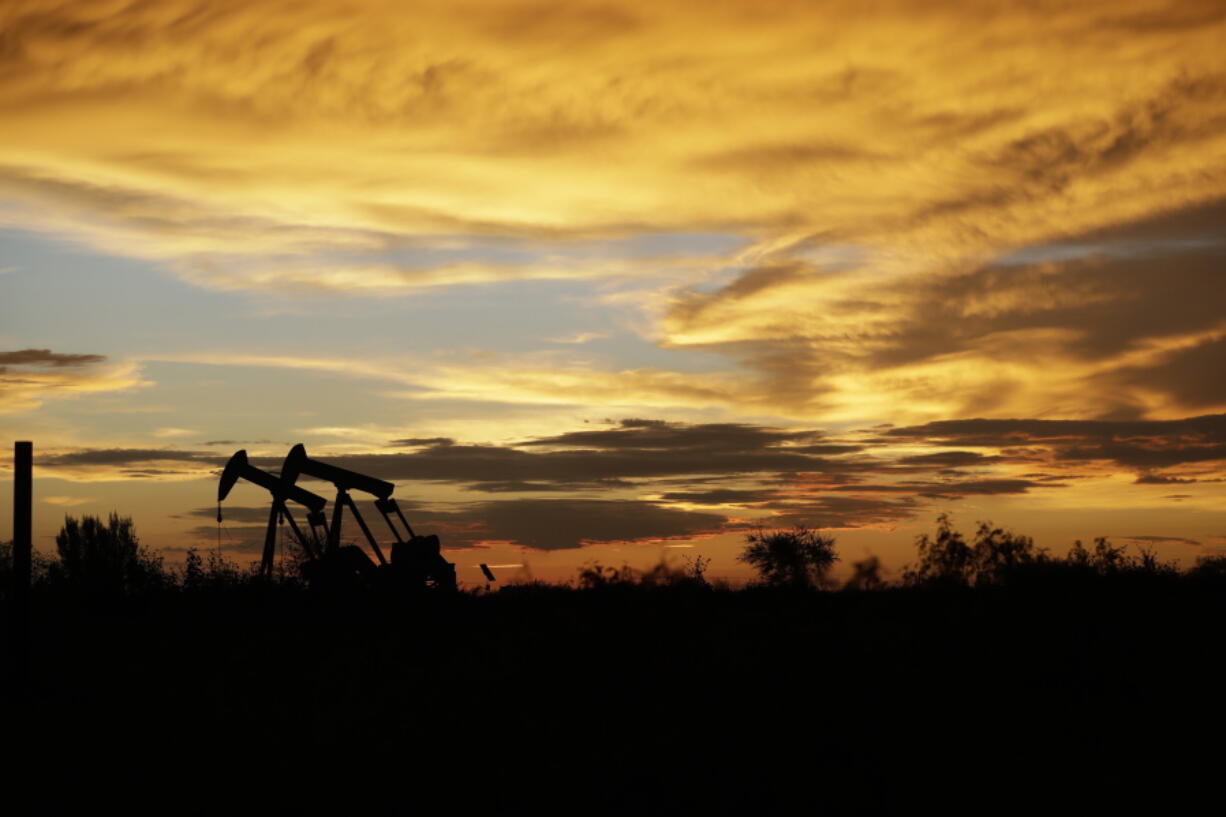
(1100, 697)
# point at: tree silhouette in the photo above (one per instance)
(106, 558)
(799, 557)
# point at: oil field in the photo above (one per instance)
(612, 407)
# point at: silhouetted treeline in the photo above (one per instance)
(105, 560)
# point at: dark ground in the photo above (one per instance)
(1094, 698)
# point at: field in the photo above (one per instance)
(1078, 689)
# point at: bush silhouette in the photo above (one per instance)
(866, 575)
(595, 576)
(997, 557)
(1210, 568)
(212, 572)
(945, 559)
(1105, 559)
(1109, 560)
(799, 557)
(106, 558)
(994, 557)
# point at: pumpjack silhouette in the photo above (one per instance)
(416, 561)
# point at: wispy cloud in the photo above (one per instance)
(67, 501)
(581, 337)
(170, 432)
(348, 126)
(29, 377)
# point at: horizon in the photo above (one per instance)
(608, 281)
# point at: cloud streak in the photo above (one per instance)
(29, 377)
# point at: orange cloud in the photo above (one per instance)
(225, 128)
(870, 156)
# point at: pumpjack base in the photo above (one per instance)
(416, 565)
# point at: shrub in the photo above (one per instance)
(947, 559)
(866, 575)
(695, 569)
(993, 557)
(999, 555)
(799, 557)
(1210, 567)
(1105, 559)
(212, 572)
(594, 575)
(1108, 560)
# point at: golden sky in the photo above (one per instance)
(498, 223)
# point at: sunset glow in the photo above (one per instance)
(605, 281)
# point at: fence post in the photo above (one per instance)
(23, 498)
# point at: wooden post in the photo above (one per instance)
(23, 498)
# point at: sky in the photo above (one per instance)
(621, 281)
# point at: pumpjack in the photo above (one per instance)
(416, 561)
(239, 468)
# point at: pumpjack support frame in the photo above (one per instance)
(238, 467)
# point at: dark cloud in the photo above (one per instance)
(45, 357)
(514, 486)
(953, 459)
(237, 442)
(1173, 540)
(783, 158)
(1161, 479)
(1133, 443)
(611, 458)
(767, 469)
(233, 513)
(980, 487)
(1186, 376)
(995, 433)
(558, 524)
(1057, 477)
(1141, 444)
(420, 442)
(1202, 223)
(721, 496)
(1170, 16)
(124, 456)
(1051, 158)
(843, 512)
(477, 463)
(1144, 456)
(831, 450)
(1112, 301)
(654, 434)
